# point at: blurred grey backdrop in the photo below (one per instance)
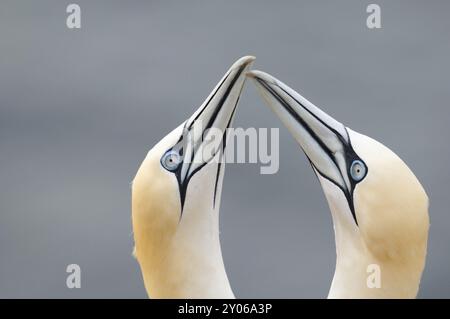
(79, 109)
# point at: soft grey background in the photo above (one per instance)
(79, 109)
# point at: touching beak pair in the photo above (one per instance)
(177, 237)
(324, 140)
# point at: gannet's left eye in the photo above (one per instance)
(171, 160)
(358, 170)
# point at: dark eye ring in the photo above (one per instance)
(358, 170)
(171, 160)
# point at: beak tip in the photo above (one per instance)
(251, 74)
(243, 62)
(260, 76)
(248, 58)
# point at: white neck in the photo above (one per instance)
(356, 274)
(188, 262)
(359, 274)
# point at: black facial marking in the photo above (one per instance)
(350, 156)
(219, 165)
(224, 145)
(349, 153)
(181, 144)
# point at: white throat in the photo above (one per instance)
(358, 273)
(189, 264)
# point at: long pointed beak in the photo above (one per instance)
(205, 132)
(324, 140)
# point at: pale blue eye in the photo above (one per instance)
(171, 160)
(358, 170)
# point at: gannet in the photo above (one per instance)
(176, 197)
(379, 208)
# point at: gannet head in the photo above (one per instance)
(379, 208)
(176, 194)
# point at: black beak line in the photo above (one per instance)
(347, 149)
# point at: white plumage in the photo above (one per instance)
(176, 198)
(379, 208)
